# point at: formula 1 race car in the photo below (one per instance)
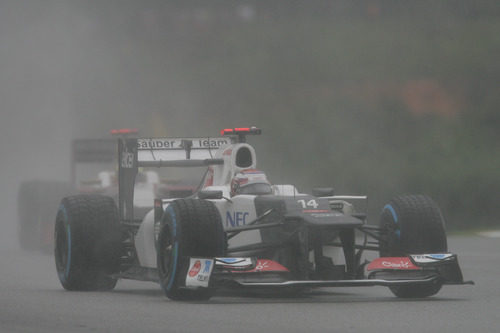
(38, 199)
(93, 171)
(238, 231)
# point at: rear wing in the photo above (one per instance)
(134, 153)
(92, 151)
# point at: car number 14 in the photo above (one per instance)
(311, 203)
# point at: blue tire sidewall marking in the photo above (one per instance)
(64, 276)
(394, 217)
(175, 249)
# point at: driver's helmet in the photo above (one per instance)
(250, 181)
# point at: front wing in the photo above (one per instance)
(251, 273)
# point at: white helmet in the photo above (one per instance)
(250, 181)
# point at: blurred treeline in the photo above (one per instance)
(376, 97)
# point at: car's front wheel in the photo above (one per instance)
(413, 224)
(190, 228)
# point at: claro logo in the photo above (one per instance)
(401, 264)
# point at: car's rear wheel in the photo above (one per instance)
(413, 224)
(190, 228)
(87, 242)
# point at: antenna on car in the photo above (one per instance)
(238, 135)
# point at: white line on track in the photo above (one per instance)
(490, 234)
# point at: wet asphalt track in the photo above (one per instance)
(31, 300)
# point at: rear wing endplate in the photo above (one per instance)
(134, 153)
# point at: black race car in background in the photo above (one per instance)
(93, 171)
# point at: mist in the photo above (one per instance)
(62, 77)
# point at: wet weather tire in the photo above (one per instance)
(413, 225)
(190, 228)
(87, 242)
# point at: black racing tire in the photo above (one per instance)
(413, 225)
(190, 228)
(87, 242)
(37, 204)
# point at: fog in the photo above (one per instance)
(76, 69)
(62, 77)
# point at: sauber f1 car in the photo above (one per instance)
(239, 231)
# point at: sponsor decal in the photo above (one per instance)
(211, 143)
(127, 161)
(337, 206)
(164, 143)
(247, 265)
(195, 269)
(205, 274)
(236, 219)
(396, 263)
(199, 272)
(437, 256)
(158, 144)
(262, 265)
(208, 266)
(265, 265)
(401, 264)
(229, 260)
(234, 262)
(431, 258)
(321, 215)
